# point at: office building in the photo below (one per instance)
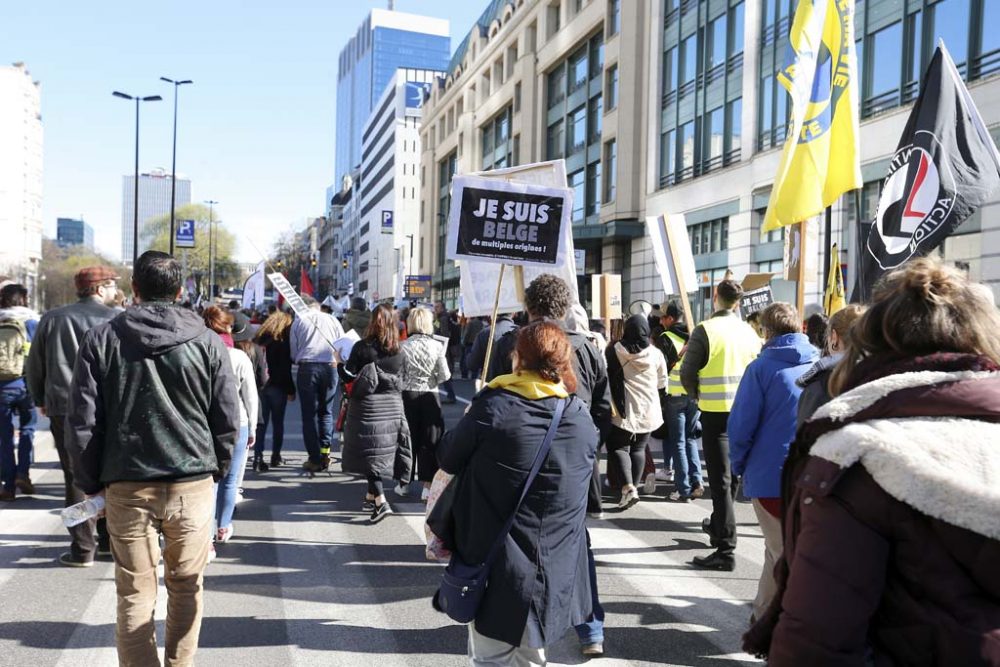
(385, 239)
(154, 202)
(673, 106)
(71, 232)
(719, 120)
(20, 176)
(385, 42)
(537, 81)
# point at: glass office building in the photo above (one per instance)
(385, 42)
(70, 232)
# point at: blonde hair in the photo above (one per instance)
(921, 308)
(420, 321)
(276, 326)
(842, 320)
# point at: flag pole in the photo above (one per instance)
(827, 239)
(800, 290)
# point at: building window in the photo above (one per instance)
(596, 57)
(688, 60)
(685, 151)
(736, 30)
(713, 135)
(578, 70)
(556, 141)
(611, 93)
(614, 17)
(610, 170)
(577, 183)
(576, 139)
(593, 188)
(669, 75)
(715, 51)
(557, 85)
(883, 83)
(734, 130)
(595, 115)
(668, 148)
(709, 237)
(497, 146)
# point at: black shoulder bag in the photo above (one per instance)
(463, 586)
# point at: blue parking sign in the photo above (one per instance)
(387, 222)
(184, 237)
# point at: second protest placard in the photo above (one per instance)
(507, 223)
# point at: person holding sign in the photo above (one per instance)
(313, 336)
(717, 355)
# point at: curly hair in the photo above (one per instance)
(547, 296)
(543, 347)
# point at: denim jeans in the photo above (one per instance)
(273, 401)
(592, 631)
(682, 415)
(317, 385)
(16, 402)
(225, 499)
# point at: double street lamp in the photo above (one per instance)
(135, 208)
(211, 248)
(173, 166)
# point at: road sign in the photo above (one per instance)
(417, 287)
(348, 253)
(184, 235)
(387, 222)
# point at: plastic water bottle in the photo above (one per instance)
(77, 514)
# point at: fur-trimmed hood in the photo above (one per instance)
(930, 439)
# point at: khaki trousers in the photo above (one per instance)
(773, 544)
(487, 652)
(137, 513)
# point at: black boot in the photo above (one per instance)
(276, 460)
(258, 462)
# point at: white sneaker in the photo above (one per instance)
(664, 475)
(629, 499)
(649, 484)
(425, 494)
(401, 489)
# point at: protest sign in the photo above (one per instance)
(606, 289)
(757, 293)
(673, 258)
(507, 222)
(286, 290)
(479, 279)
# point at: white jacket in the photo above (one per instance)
(645, 374)
(246, 385)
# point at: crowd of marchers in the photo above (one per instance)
(867, 446)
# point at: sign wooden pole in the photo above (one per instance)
(493, 327)
(800, 290)
(606, 303)
(681, 286)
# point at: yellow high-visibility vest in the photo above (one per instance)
(674, 385)
(732, 345)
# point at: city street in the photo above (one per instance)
(306, 581)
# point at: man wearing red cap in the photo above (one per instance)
(48, 372)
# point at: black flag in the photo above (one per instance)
(945, 167)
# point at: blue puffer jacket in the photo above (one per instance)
(762, 421)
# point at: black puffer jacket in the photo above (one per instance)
(153, 397)
(376, 434)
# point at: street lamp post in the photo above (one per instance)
(410, 265)
(173, 165)
(135, 207)
(211, 248)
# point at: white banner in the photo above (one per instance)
(286, 290)
(663, 254)
(253, 288)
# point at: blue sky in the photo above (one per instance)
(255, 131)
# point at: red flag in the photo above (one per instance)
(305, 285)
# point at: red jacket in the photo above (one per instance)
(892, 529)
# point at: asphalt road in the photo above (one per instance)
(306, 581)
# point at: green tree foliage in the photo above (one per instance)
(58, 267)
(227, 273)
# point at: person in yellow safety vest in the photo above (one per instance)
(718, 353)
(680, 414)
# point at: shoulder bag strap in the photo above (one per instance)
(543, 452)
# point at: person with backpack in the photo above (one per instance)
(17, 326)
(49, 372)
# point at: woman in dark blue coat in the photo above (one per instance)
(539, 585)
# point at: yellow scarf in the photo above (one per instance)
(530, 385)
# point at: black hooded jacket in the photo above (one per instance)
(153, 398)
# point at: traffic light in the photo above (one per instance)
(279, 265)
(313, 262)
(345, 263)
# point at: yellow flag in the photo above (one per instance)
(821, 159)
(833, 298)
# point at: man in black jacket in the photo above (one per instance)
(153, 417)
(48, 372)
(549, 297)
